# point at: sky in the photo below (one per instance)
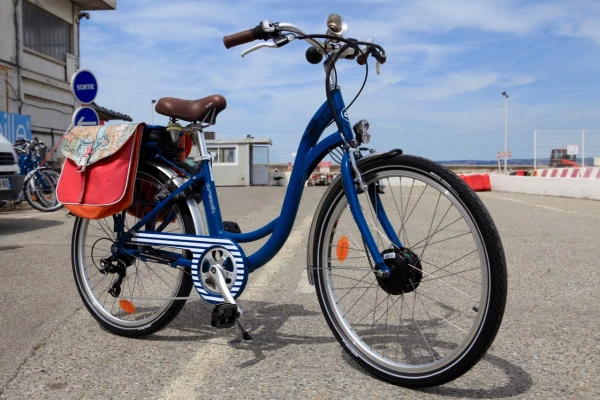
(439, 94)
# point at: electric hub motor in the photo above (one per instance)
(405, 271)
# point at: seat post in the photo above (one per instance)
(203, 153)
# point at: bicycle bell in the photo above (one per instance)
(336, 25)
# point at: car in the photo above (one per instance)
(11, 180)
(320, 179)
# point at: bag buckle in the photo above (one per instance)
(83, 162)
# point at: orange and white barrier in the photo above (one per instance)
(546, 185)
(585, 173)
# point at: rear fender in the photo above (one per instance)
(192, 204)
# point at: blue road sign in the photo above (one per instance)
(84, 86)
(86, 116)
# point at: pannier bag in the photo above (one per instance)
(98, 175)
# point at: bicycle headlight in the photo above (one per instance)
(362, 132)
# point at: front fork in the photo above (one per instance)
(353, 186)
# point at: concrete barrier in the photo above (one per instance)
(576, 188)
(560, 187)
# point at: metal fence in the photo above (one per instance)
(564, 148)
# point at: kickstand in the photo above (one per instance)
(245, 333)
(217, 272)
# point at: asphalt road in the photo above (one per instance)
(51, 348)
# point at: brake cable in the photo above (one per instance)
(333, 60)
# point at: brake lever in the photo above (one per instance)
(275, 44)
(381, 59)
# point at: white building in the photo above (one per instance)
(39, 52)
(240, 162)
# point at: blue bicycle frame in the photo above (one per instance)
(310, 152)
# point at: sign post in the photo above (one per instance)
(503, 155)
(85, 116)
(85, 88)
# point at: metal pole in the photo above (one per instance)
(152, 109)
(505, 94)
(583, 148)
(534, 150)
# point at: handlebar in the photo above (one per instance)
(238, 38)
(265, 30)
(333, 43)
(23, 146)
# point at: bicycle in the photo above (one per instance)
(39, 186)
(407, 263)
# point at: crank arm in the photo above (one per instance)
(217, 272)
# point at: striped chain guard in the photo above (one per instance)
(207, 251)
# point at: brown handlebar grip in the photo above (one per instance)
(238, 38)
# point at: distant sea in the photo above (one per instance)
(511, 161)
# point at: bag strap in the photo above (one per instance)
(82, 164)
(84, 176)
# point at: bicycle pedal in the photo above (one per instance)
(224, 315)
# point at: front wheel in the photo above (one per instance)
(438, 312)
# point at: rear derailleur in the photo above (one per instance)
(116, 265)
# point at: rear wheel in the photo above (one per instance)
(438, 312)
(150, 293)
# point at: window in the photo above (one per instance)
(45, 33)
(224, 155)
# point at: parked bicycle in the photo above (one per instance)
(407, 263)
(39, 186)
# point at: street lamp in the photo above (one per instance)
(152, 109)
(505, 94)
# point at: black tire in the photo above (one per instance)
(40, 190)
(152, 293)
(437, 317)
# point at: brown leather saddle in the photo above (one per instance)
(204, 110)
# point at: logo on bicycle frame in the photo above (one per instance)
(213, 209)
(344, 114)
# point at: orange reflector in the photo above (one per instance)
(127, 306)
(342, 249)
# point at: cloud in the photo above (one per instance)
(589, 28)
(516, 81)
(452, 84)
(448, 61)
